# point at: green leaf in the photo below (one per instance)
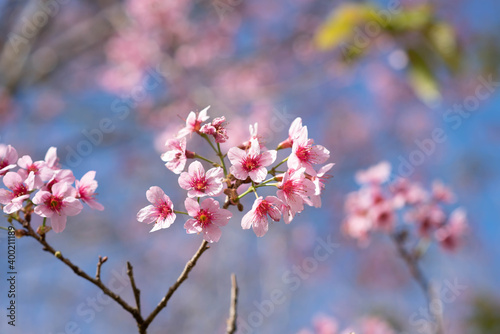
(422, 79)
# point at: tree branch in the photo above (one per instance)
(183, 276)
(231, 321)
(137, 292)
(99, 265)
(412, 263)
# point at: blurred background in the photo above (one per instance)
(107, 82)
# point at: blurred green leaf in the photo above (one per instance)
(443, 39)
(422, 79)
(414, 18)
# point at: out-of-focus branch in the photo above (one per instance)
(137, 292)
(231, 321)
(412, 264)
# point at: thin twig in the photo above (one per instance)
(137, 292)
(412, 263)
(183, 276)
(99, 265)
(231, 321)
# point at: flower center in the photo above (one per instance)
(250, 163)
(199, 183)
(204, 218)
(33, 168)
(20, 190)
(54, 203)
(263, 208)
(164, 210)
(3, 164)
(303, 153)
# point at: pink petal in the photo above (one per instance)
(192, 206)
(43, 211)
(216, 172)
(212, 233)
(196, 168)
(147, 215)
(238, 172)
(40, 197)
(51, 157)
(71, 206)
(190, 121)
(295, 128)
(323, 170)
(235, 155)
(58, 222)
(192, 226)
(258, 175)
(268, 157)
(260, 226)
(5, 196)
(88, 178)
(15, 205)
(93, 204)
(202, 116)
(25, 161)
(248, 219)
(60, 189)
(155, 195)
(12, 179)
(320, 154)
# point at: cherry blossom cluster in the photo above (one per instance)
(378, 206)
(44, 188)
(249, 170)
(323, 324)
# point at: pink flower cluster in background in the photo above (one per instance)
(44, 187)
(376, 206)
(249, 170)
(323, 324)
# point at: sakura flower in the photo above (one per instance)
(357, 227)
(8, 158)
(377, 174)
(305, 154)
(293, 133)
(442, 193)
(428, 217)
(450, 234)
(319, 183)
(161, 210)
(51, 164)
(13, 200)
(257, 216)
(294, 191)
(217, 129)
(193, 122)
(57, 204)
(175, 155)
(251, 163)
(407, 193)
(86, 188)
(61, 175)
(28, 166)
(200, 184)
(207, 218)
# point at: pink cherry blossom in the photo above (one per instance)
(20, 189)
(161, 210)
(257, 216)
(319, 183)
(293, 132)
(61, 175)
(57, 204)
(175, 155)
(86, 188)
(51, 164)
(250, 163)
(217, 129)
(295, 190)
(200, 184)
(207, 218)
(377, 174)
(28, 166)
(427, 217)
(8, 158)
(449, 235)
(442, 193)
(305, 154)
(407, 193)
(193, 122)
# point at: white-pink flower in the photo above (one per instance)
(217, 129)
(257, 216)
(295, 190)
(449, 236)
(193, 122)
(28, 166)
(250, 163)
(19, 191)
(200, 184)
(293, 132)
(376, 174)
(51, 164)
(208, 217)
(86, 188)
(305, 153)
(319, 183)
(57, 204)
(8, 158)
(175, 155)
(161, 210)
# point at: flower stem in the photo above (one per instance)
(249, 190)
(44, 221)
(273, 170)
(181, 212)
(219, 153)
(196, 155)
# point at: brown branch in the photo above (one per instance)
(183, 276)
(137, 292)
(96, 281)
(99, 265)
(412, 263)
(231, 321)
